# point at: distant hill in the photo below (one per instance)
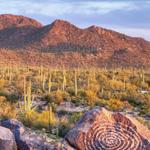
(26, 41)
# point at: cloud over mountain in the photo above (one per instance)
(109, 13)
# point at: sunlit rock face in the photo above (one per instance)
(62, 43)
(100, 129)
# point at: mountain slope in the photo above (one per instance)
(9, 21)
(62, 43)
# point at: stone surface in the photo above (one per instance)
(17, 129)
(7, 140)
(104, 130)
(13, 125)
(26, 139)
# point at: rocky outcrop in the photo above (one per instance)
(26, 139)
(18, 130)
(101, 129)
(7, 140)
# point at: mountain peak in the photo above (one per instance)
(93, 27)
(58, 23)
(9, 20)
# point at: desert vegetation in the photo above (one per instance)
(53, 99)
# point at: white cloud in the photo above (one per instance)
(56, 8)
(106, 7)
(134, 12)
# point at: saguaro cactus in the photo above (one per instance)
(43, 81)
(75, 82)
(49, 82)
(64, 80)
(29, 101)
(27, 95)
(143, 75)
(51, 117)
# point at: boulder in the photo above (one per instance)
(14, 125)
(25, 138)
(7, 140)
(105, 130)
(17, 129)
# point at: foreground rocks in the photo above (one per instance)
(7, 140)
(98, 129)
(101, 129)
(25, 138)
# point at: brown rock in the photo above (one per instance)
(101, 129)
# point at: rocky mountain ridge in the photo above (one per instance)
(62, 43)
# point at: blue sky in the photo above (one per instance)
(128, 16)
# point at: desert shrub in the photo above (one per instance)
(75, 117)
(2, 83)
(133, 97)
(130, 87)
(39, 120)
(82, 93)
(48, 98)
(94, 87)
(63, 129)
(70, 91)
(78, 101)
(101, 102)
(115, 104)
(119, 95)
(116, 85)
(147, 99)
(67, 122)
(7, 110)
(91, 97)
(144, 110)
(63, 112)
(145, 106)
(56, 97)
(64, 126)
(13, 98)
(3, 93)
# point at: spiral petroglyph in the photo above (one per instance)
(112, 137)
(103, 130)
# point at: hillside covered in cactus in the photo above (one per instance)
(25, 41)
(73, 108)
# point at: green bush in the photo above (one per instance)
(63, 129)
(75, 117)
